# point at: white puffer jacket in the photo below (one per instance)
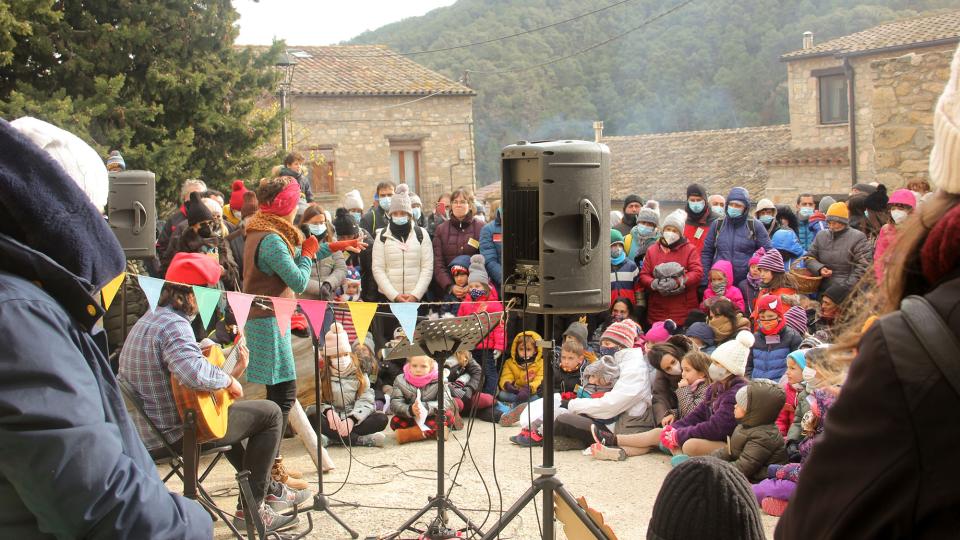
(631, 394)
(402, 267)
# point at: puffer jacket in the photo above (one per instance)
(848, 253)
(756, 442)
(629, 401)
(404, 394)
(659, 307)
(732, 292)
(332, 270)
(345, 399)
(713, 419)
(452, 238)
(520, 374)
(463, 381)
(402, 270)
(769, 360)
(496, 339)
(729, 239)
(888, 234)
(491, 247)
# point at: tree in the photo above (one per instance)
(160, 81)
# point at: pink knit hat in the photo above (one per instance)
(772, 261)
(756, 257)
(623, 333)
(904, 197)
(336, 342)
(660, 331)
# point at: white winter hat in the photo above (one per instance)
(77, 158)
(400, 202)
(733, 354)
(945, 156)
(353, 200)
(336, 342)
(765, 204)
(676, 219)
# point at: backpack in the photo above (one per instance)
(751, 227)
(418, 230)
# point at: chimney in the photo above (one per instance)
(807, 40)
(597, 131)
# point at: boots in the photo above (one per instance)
(410, 434)
(282, 475)
(290, 472)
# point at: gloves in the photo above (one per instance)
(310, 247)
(343, 244)
(512, 388)
(668, 438)
(567, 395)
(523, 394)
(326, 291)
(793, 451)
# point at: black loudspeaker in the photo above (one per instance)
(132, 212)
(556, 203)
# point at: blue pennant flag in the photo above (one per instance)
(406, 313)
(151, 289)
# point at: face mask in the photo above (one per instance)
(717, 372)
(356, 216)
(340, 363)
(619, 257)
(400, 220)
(317, 229)
(806, 211)
(809, 375)
(696, 207)
(385, 203)
(417, 212)
(645, 230)
(674, 370)
(734, 212)
(898, 216)
(718, 288)
(608, 351)
(754, 282)
(671, 237)
(476, 294)
(442, 209)
(717, 210)
(617, 317)
(769, 327)
(766, 219)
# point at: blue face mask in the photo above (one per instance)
(385, 203)
(316, 229)
(766, 219)
(476, 294)
(400, 220)
(734, 212)
(696, 207)
(617, 255)
(417, 212)
(645, 230)
(356, 216)
(806, 211)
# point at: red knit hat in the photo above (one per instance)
(940, 253)
(193, 269)
(772, 302)
(623, 333)
(236, 195)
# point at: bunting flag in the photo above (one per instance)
(240, 304)
(406, 313)
(109, 291)
(362, 314)
(283, 308)
(316, 311)
(207, 300)
(151, 289)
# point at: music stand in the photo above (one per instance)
(439, 339)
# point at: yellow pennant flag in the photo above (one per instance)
(362, 314)
(109, 290)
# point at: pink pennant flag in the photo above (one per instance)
(316, 311)
(283, 308)
(240, 304)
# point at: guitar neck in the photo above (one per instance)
(231, 361)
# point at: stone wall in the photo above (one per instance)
(786, 182)
(903, 93)
(360, 129)
(803, 98)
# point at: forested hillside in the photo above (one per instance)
(710, 64)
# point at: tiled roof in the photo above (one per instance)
(839, 155)
(365, 70)
(942, 27)
(485, 192)
(661, 166)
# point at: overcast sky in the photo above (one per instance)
(321, 22)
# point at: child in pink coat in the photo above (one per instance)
(720, 283)
(483, 299)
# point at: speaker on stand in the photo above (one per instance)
(556, 261)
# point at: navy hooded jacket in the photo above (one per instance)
(729, 239)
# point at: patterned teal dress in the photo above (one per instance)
(271, 354)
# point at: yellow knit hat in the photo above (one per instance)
(838, 212)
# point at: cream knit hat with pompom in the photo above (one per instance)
(945, 157)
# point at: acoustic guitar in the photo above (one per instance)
(210, 407)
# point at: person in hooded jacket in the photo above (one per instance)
(756, 442)
(787, 219)
(786, 242)
(735, 237)
(766, 213)
(699, 216)
(721, 284)
(631, 209)
(73, 466)
(841, 254)
(491, 247)
(643, 235)
(773, 341)
(671, 273)
(901, 205)
(875, 213)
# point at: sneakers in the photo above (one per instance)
(374, 439)
(607, 453)
(527, 438)
(678, 459)
(272, 521)
(512, 416)
(291, 478)
(602, 435)
(283, 499)
(773, 507)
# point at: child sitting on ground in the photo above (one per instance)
(577, 331)
(756, 442)
(463, 375)
(388, 370)
(726, 321)
(366, 352)
(522, 372)
(665, 358)
(483, 300)
(460, 270)
(792, 387)
(773, 279)
(568, 373)
(691, 389)
(347, 410)
(702, 337)
(721, 284)
(773, 342)
(419, 377)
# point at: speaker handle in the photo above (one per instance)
(589, 213)
(139, 216)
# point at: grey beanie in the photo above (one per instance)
(825, 203)
(676, 219)
(478, 270)
(606, 368)
(649, 215)
(400, 202)
(579, 332)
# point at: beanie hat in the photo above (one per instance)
(653, 205)
(772, 261)
(772, 302)
(478, 270)
(352, 276)
(865, 188)
(353, 200)
(250, 204)
(193, 269)
(698, 190)
(796, 318)
(623, 333)
(415, 199)
(837, 292)
(944, 169)
(632, 199)
(605, 367)
(799, 357)
(838, 212)
(400, 202)
(344, 224)
(904, 197)
(649, 215)
(714, 491)
(197, 212)
(703, 332)
(660, 331)
(743, 397)
(615, 217)
(336, 342)
(765, 204)
(677, 219)
(461, 263)
(825, 204)
(733, 354)
(616, 237)
(877, 201)
(368, 341)
(116, 159)
(237, 189)
(578, 330)
(757, 255)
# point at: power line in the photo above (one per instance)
(475, 43)
(590, 48)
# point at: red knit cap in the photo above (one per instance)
(941, 250)
(623, 333)
(193, 269)
(236, 195)
(771, 302)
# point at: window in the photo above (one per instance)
(405, 163)
(320, 167)
(833, 99)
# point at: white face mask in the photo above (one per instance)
(341, 363)
(898, 216)
(717, 372)
(670, 237)
(674, 370)
(809, 375)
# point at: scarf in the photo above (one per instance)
(421, 380)
(263, 221)
(722, 328)
(285, 202)
(754, 282)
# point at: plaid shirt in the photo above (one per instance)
(161, 343)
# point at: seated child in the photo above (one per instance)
(773, 342)
(665, 358)
(598, 378)
(691, 389)
(388, 370)
(701, 335)
(347, 410)
(460, 270)
(483, 299)
(721, 284)
(725, 320)
(523, 370)
(419, 374)
(350, 293)
(577, 331)
(773, 279)
(366, 353)
(463, 375)
(792, 387)
(756, 442)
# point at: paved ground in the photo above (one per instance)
(385, 486)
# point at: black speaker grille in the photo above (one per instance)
(523, 206)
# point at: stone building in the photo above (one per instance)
(363, 114)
